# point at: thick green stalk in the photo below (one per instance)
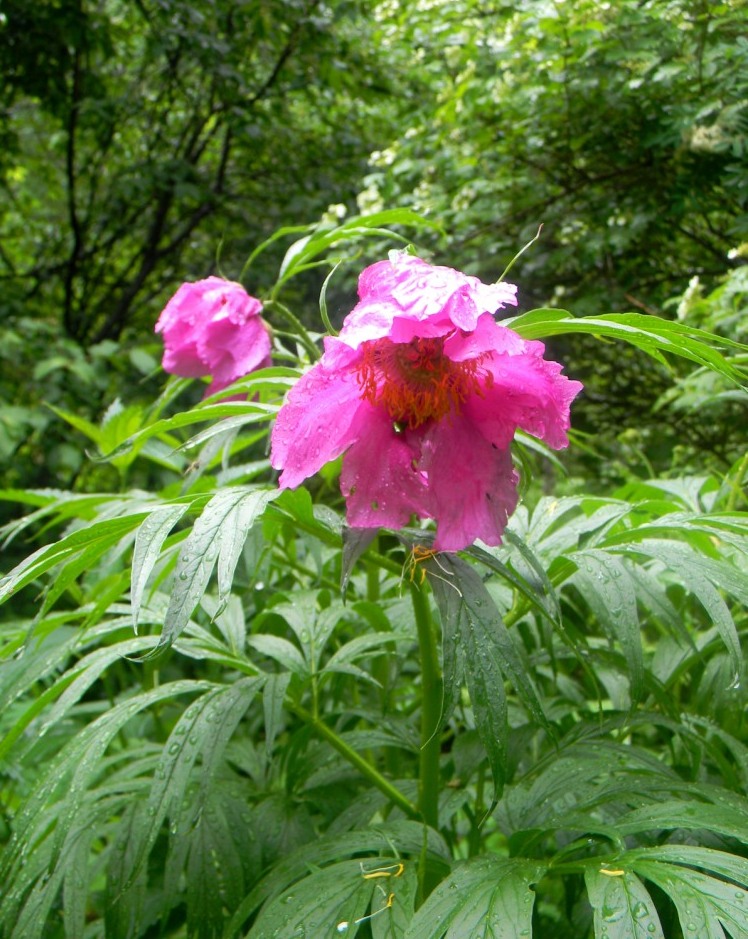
(431, 709)
(431, 712)
(362, 765)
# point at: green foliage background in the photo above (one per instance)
(221, 711)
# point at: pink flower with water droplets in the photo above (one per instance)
(213, 327)
(422, 392)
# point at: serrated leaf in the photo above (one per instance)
(96, 538)
(65, 785)
(653, 335)
(485, 898)
(405, 837)
(273, 698)
(604, 583)
(321, 902)
(704, 904)
(203, 730)
(149, 540)
(217, 536)
(729, 822)
(489, 653)
(283, 651)
(698, 575)
(622, 907)
(393, 922)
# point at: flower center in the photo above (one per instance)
(415, 381)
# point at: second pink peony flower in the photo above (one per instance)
(213, 327)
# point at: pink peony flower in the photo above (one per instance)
(422, 392)
(213, 327)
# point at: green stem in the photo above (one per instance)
(475, 838)
(431, 713)
(300, 331)
(431, 706)
(372, 583)
(431, 709)
(365, 768)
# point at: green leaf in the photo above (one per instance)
(300, 253)
(245, 412)
(124, 908)
(649, 333)
(218, 843)
(604, 583)
(393, 922)
(623, 909)
(321, 902)
(472, 624)
(273, 698)
(149, 540)
(217, 536)
(485, 898)
(96, 538)
(729, 866)
(406, 838)
(692, 815)
(704, 904)
(699, 575)
(65, 787)
(69, 688)
(363, 645)
(283, 651)
(203, 730)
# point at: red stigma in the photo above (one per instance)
(416, 382)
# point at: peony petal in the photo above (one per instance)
(322, 416)
(183, 359)
(472, 485)
(527, 391)
(406, 298)
(488, 337)
(229, 352)
(378, 479)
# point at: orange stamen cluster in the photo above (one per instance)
(416, 382)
